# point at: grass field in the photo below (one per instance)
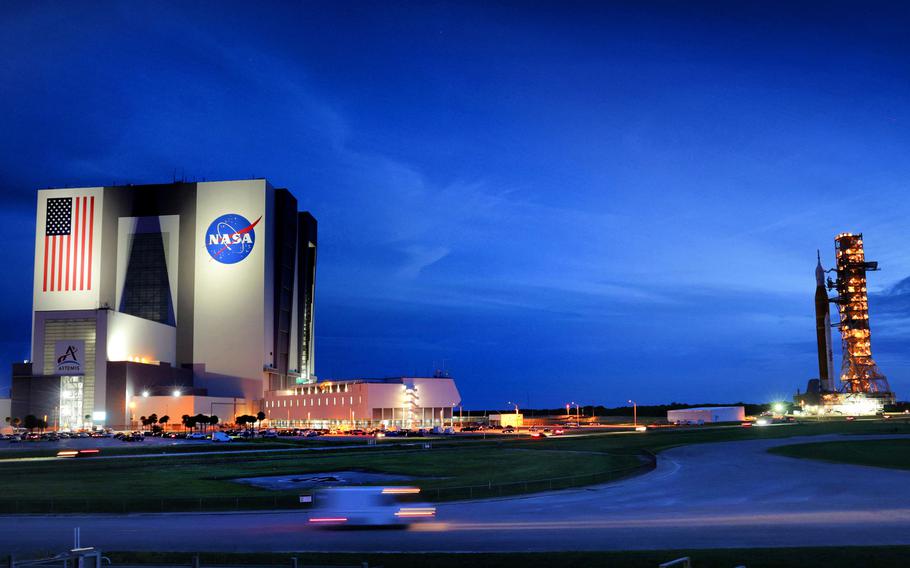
(204, 481)
(834, 557)
(878, 453)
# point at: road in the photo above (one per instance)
(730, 494)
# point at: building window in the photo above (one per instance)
(146, 292)
(352, 400)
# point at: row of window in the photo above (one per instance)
(318, 401)
(324, 389)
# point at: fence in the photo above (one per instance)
(149, 505)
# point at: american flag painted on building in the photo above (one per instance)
(69, 227)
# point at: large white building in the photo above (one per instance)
(194, 297)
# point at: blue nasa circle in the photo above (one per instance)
(230, 238)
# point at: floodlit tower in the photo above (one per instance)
(859, 373)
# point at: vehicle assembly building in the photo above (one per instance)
(196, 294)
(863, 388)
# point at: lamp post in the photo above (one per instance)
(634, 413)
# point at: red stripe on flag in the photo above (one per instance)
(66, 279)
(75, 243)
(53, 259)
(45, 262)
(60, 263)
(91, 233)
(82, 254)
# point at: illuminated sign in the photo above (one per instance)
(69, 357)
(230, 238)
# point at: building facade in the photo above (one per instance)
(178, 290)
(394, 403)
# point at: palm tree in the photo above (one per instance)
(260, 416)
(164, 420)
(185, 420)
(201, 419)
(144, 421)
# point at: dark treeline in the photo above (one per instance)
(656, 410)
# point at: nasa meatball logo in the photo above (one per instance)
(230, 238)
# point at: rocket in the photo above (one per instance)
(823, 331)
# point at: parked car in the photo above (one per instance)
(220, 437)
(133, 437)
(195, 436)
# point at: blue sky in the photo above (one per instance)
(560, 201)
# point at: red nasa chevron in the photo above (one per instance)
(69, 226)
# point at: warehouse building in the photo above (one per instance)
(707, 415)
(184, 298)
(393, 403)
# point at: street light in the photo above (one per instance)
(145, 394)
(634, 413)
(176, 393)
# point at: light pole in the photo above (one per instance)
(634, 413)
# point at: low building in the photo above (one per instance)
(396, 402)
(707, 415)
(512, 419)
(6, 415)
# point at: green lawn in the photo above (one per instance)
(452, 469)
(833, 557)
(879, 453)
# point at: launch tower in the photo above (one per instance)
(859, 373)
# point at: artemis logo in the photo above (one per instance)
(230, 238)
(69, 354)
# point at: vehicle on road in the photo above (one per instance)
(133, 437)
(195, 436)
(78, 453)
(338, 507)
(508, 430)
(220, 437)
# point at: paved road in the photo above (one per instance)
(731, 494)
